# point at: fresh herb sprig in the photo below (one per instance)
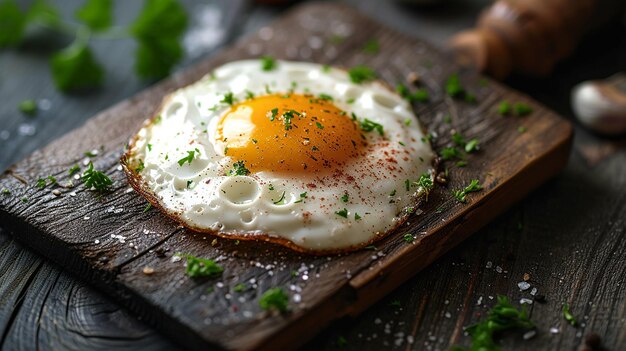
(474, 186)
(502, 317)
(361, 74)
(157, 30)
(201, 267)
(274, 299)
(96, 179)
(239, 169)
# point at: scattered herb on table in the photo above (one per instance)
(360, 74)
(450, 153)
(96, 179)
(409, 238)
(73, 170)
(504, 108)
(201, 267)
(274, 299)
(569, 317)
(147, 208)
(502, 317)
(472, 146)
(372, 46)
(474, 186)
(6, 191)
(28, 107)
(522, 109)
(454, 87)
(239, 287)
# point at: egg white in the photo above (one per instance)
(203, 197)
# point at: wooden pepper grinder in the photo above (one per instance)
(530, 36)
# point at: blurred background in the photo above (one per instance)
(92, 321)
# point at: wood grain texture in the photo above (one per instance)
(509, 165)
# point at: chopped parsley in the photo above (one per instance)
(458, 139)
(149, 147)
(140, 167)
(190, 156)
(240, 287)
(504, 108)
(249, 95)
(502, 317)
(474, 186)
(28, 107)
(360, 74)
(271, 187)
(350, 100)
(461, 164)
(425, 181)
(345, 198)
(569, 317)
(268, 63)
(229, 99)
(420, 95)
(356, 216)
(302, 197)
(407, 122)
(521, 129)
(43, 182)
(450, 153)
(408, 237)
(274, 299)
(393, 193)
(90, 154)
(368, 125)
(288, 116)
(147, 208)
(96, 179)
(453, 86)
(189, 182)
(254, 141)
(343, 213)
(325, 97)
(407, 185)
(239, 169)
(371, 47)
(319, 125)
(521, 109)
(472, 146)
(274, 113)
(73, 170)
(371, 247)
(201, 267)
(6, 191)
(280, 201)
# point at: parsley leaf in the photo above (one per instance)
(73, 170)
(408, 237)
(453, 86)
(345, 198)
(96, 14)
(521, 109)
(229, 98)
(190, 156)
(280, 201)
(268, 63)
(274, 114)
(472, 146)
(326, 97)
(474, 186)
(371, 47)
(96, 179)
(503, 316)
(343, 213)
(368, 125)
(76, 68)
(201, 267)
(274, 298)
(28, 107)
(425, 181)
(569, 317)
(157, 30)
(360, 74)
(450, 153)
(356, 216)
(12, 24)
(504, 109)
(239, 169)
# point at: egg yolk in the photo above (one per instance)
(289, 133)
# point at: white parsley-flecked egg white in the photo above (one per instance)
(331, 168)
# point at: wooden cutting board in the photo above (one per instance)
(108, 240)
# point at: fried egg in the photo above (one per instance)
(294, 153)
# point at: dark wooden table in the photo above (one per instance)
(569, 236)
